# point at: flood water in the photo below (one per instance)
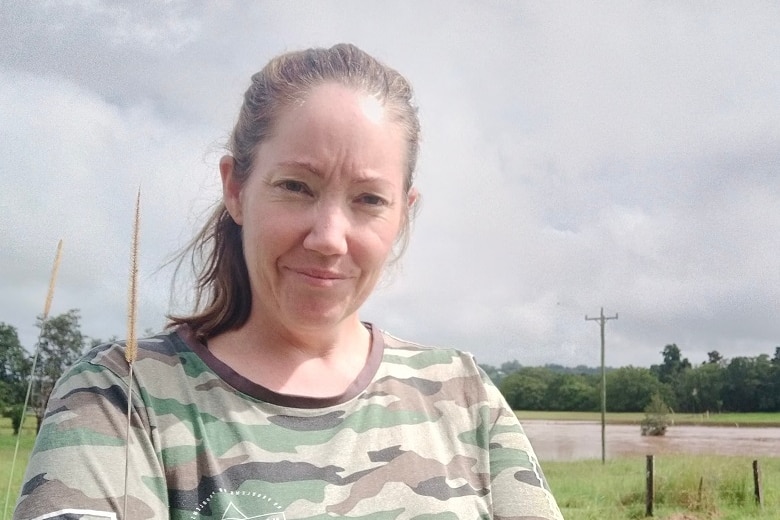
(575, 440)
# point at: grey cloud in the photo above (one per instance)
(573, 158)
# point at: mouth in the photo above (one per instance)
(319, 276)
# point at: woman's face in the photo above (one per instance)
(321, 208)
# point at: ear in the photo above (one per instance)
(231, 188)
(411, 197)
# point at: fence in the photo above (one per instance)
(650, 485)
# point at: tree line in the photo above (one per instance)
(741, 384)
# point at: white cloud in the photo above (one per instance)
(73, 163)
(574, 157)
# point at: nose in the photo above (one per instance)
(328, 230)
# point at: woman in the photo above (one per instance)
(274, 400)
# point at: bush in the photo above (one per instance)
(15, 414)
(656, 417)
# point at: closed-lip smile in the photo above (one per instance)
(318, 274)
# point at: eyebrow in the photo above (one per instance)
(362, 177)
(301, 164)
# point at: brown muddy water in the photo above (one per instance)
(576, 440)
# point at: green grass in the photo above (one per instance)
(724, 419)
(7, 447)
(686, 487)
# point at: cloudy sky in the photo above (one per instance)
(625, 156)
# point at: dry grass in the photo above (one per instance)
(131, 349)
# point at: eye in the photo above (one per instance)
(371, 200)
(294, 187)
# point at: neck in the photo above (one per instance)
(315, 363)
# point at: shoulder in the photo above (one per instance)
(109, 359)
(448, 377)
(164, 363)
(405, 359)
(165, 344)
(418, 356)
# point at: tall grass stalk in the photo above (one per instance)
(46, 308)
(131, 347)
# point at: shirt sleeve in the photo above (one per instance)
(518, 487)
(77, 467)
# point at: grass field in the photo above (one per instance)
(724, 419)
(687, 487)
(7, 447)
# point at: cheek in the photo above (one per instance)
(261, 232)
(378, 247)
(273, 234)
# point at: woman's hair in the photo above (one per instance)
(223, 296)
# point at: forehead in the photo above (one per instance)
(334, 121)
(334, 103)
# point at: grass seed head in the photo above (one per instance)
(131, 349)
(52, 280)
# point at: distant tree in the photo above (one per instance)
(573, 393)
(14, 367)
(15, 413)
(526, 389)
(746, 385)
(510, 367)
(579, 369)
(773, 385)
(701, 389)
(61, 343)
(582, 369)
(714, 358)
(630, 389)
(673, 364)
(768, 395)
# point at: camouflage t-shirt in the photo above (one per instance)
(421, 434)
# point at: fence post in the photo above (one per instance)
(757, 484)
(649, 486)
(701, 491)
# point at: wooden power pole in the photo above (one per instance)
(602, 321)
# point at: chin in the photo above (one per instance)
(308, 310)
(318, 318)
